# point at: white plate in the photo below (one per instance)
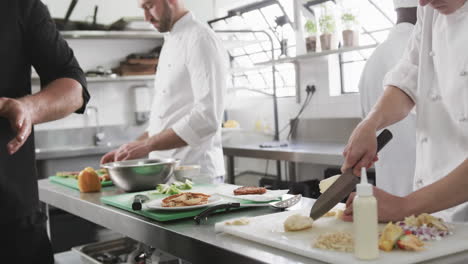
(270, 195)
(156, 204)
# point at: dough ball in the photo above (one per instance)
(297, 222)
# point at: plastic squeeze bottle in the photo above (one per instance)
(365, 221)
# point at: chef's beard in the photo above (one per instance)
(165, 21)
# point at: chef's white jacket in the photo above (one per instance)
(190, 87)
(434, 74)
(395, 168)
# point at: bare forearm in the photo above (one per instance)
(443, 194)
(393, 106)
(59, 99)
(166, 140)
(143, 136)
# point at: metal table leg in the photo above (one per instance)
(46, 211)
(230, 169)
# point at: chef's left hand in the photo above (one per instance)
(19, 116)
(389, 207)
(133, 150)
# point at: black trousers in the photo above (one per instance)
(25, 241)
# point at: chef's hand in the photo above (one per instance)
(361, 150)
(20, 120)
(109, 157)
(389, 207)
(134, 150)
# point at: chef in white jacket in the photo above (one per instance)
(395, 168)
(433, 76)
(190, 86)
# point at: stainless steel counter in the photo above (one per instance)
(319, 153)
(316, 153)
(184, 239)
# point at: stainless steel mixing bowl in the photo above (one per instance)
(140, 175)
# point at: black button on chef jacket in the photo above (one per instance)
(28, 37)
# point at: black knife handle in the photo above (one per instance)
(205, 213)
(138, 201)
(382, 140)
(136, 206)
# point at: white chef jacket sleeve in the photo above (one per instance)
(405, 74)
(207, 65)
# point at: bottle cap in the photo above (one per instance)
(364, 188)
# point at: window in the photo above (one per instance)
(248, 48)
(376, 18)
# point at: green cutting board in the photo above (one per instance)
(124, 201)
(73, 183)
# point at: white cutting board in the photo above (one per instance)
(268, 230)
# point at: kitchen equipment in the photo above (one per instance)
(344, 185)
(276, 205)
(100, 71)
(268, 230)
(138, 201)
(73, 183)
(66, 24)
(124, 202)
(115, 251)
(142, 174)
(142, 97)
(186, 172)
(131, 23)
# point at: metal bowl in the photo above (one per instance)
(142, 174)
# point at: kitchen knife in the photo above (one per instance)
(344, 185)
(277, 205)
(138, 201)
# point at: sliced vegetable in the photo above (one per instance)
(410, 242)
(187, 185)
(174, 188)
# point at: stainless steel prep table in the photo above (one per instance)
(324, 153)
(184, 239)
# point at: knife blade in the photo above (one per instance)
(344, 185)
(227, 206)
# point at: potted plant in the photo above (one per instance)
(350, 33)
(311, 40)
(327, 28)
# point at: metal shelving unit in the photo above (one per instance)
(35, 79)
(315, 55)
(96, 34)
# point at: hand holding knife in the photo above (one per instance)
(344, 185)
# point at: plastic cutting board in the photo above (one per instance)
(124, 201)
(73, 183)
(268, 230)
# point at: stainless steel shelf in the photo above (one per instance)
(316, 54)
(95, 34)
(35, 79)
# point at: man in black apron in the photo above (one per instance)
(28, 37)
